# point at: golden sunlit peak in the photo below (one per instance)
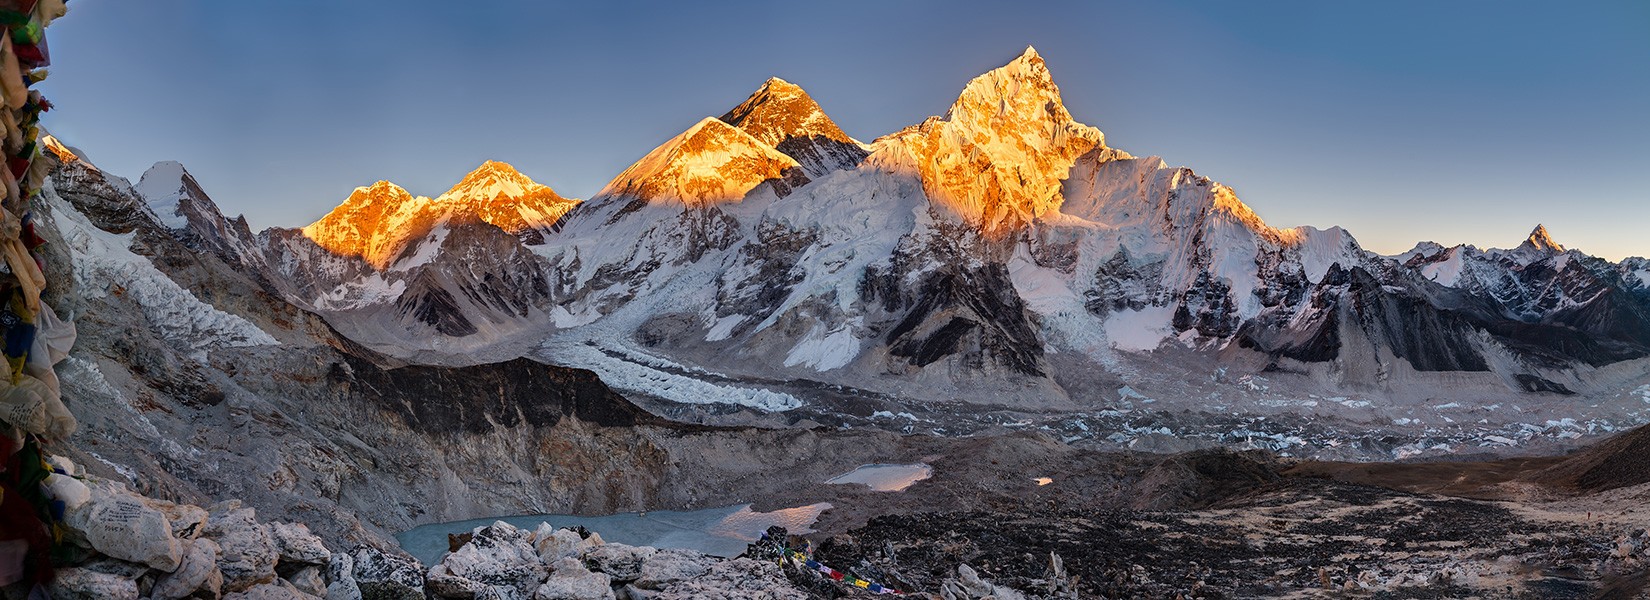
(781, 110)
(57, 149)
(710, 162)
(1541, 240)
(379, 221)
(997, 157)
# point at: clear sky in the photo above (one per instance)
(1458, 122)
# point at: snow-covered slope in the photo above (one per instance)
(1000, 253)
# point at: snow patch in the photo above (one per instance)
(104, 264)
(823, 353)
(1140, 330)
(161, 188)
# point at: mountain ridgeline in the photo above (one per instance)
(1002, 253)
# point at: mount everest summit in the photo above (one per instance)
(1001, 254)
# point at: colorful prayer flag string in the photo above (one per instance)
(875, 588)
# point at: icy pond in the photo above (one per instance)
(886, 478)
(723, 531)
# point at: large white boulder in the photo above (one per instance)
(672, 565)
(570, 580)
(198, 571)
(295, 544)
(248, 554)
(86, 584)
(380, 575)
(279, 589)
(500, 554)
(341, 578)
(555, 544)
(122, 525)
(735, 579)
(622, 562)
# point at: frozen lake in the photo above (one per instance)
(886, 478)
(723, 531)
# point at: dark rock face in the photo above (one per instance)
(480, 272)
(1621, 461)
(972, 314)
(478, 399)
(821, 154)
(427, 302)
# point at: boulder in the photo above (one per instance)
(969, 586)
(86, 584)
(248, 553)
(280, 589)
(556, 544)
(295, 544)
(309, 581)
(380, 575)
(570, 580)
(672, 565)
(499, 554)
(341, 578)
(501, 592)
(188, 520)
(443, 584)
(735, 579)
(117, 523)
(622, 562)
(198, 571)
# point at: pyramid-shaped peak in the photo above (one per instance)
(1541, 240)
(997, 157)
(780, 85)
(380, 188)
(710, 162)
(491, 180)
(780, 110)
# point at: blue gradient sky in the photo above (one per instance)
(1457, 121)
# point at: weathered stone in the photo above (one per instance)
(248, 553)
(501, 592)
(969, 586)
(556, 544)
(295, 543)
(188, 520)
(499, 554)
(672, 565)
(86, 584)
(570, 580)
(279, 589)
(341, 578)
(621, 561)
(122, 525)
(383, 576)
(309, 581)
(444, 584)
(198, 571)
(736, 579)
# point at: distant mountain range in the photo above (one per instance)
(1000, 254)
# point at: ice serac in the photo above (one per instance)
(997, 158)
(378, 222)
(786, 118)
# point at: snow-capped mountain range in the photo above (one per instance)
(1000, 254)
